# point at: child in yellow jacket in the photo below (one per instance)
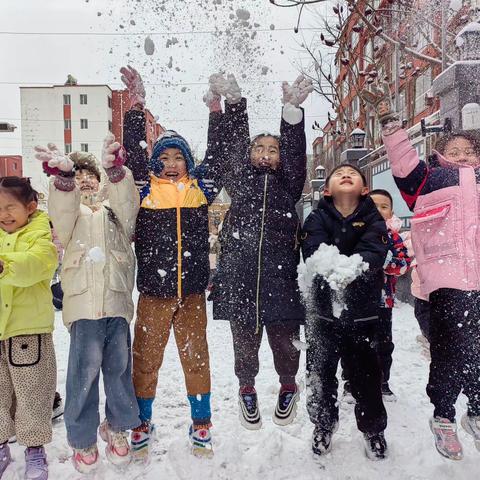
(28, 259)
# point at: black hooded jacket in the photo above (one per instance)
(256, 280)
(363, 232)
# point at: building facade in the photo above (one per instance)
(73, 117)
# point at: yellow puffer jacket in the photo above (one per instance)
(29, 261)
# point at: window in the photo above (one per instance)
(84, 147)
(83, 123)
(67, 100)
(68, 148)
(109, 100)
(422, 84)
(67, 124)
(14, 165)
(110, 126)
(83, 99)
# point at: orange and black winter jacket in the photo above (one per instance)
(171, 233)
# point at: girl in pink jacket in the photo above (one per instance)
(445, 198)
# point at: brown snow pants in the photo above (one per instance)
(28, 373)
(155, 317)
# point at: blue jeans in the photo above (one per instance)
(99, 344)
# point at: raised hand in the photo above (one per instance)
(134, 83)
(298, 92)
(380, 100)
(232, 91)
(113, 154)
(53, 160)
(213, 97)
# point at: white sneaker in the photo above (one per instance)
(117, 449)
(472, 426)
(85, 460)
(446, 438)
(286, 408)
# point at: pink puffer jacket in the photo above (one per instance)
(446, 204)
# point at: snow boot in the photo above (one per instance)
(387, 394)
(57, 406)
(201, 441)
(347, 396)
(322, 439)
(117, 449)
(375, 446)
(141, 440)
(446, 438)
(471, 425)
(286, 408)
(5, 457)
(85, 460)
(36, 466)
(249, 413)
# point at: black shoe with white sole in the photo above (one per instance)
(322, 439)
(249, 413)
(286, 408)
(375, 446)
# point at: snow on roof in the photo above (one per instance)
(470, 27)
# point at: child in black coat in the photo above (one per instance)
(347, 219)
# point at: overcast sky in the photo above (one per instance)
(192, 40)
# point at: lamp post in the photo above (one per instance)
(357, 138)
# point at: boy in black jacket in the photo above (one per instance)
(349, 220)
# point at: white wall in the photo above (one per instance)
(43, 122)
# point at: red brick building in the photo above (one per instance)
(10, 165)
(120, 104)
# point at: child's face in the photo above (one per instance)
(13, 213)
(461, 151)
(265, 153)
(174, 164)
(346, 181)
(383, 205)
(86, 182)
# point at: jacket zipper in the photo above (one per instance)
(179, 251)
(260, 249)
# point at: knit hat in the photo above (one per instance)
(86, 161)
(170, 139)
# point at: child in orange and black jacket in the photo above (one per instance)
(172, 248)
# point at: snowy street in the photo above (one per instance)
(275, 453)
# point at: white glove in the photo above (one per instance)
(233, 93)
(134, 83)
(217, 83)
(298, 92)
(53, 158)
(212, 101)
(112, 152)
(291, 114)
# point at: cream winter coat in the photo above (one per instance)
(99, 264)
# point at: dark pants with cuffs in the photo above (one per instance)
(384, 343)
(246, 344)
(454, 348)
(422, 314)
(354, 344)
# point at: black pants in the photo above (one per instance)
(384, 342)
(246, 344)
(328, 342)
(422, 314)
(455, 351)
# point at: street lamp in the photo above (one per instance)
(357, 138)
(320, 172)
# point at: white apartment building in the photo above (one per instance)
(74, 117)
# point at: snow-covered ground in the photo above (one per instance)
(276, 453)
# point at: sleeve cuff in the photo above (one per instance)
(65, 183)
(115, 174)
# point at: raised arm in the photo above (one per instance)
(123, 197)
(409, 172)
(134, 127)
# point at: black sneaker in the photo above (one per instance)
(57, 410)
(286, 408)
(249, 413)
(387, 394)
(322, 439)
(375, 446)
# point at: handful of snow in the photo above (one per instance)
(338, 270)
